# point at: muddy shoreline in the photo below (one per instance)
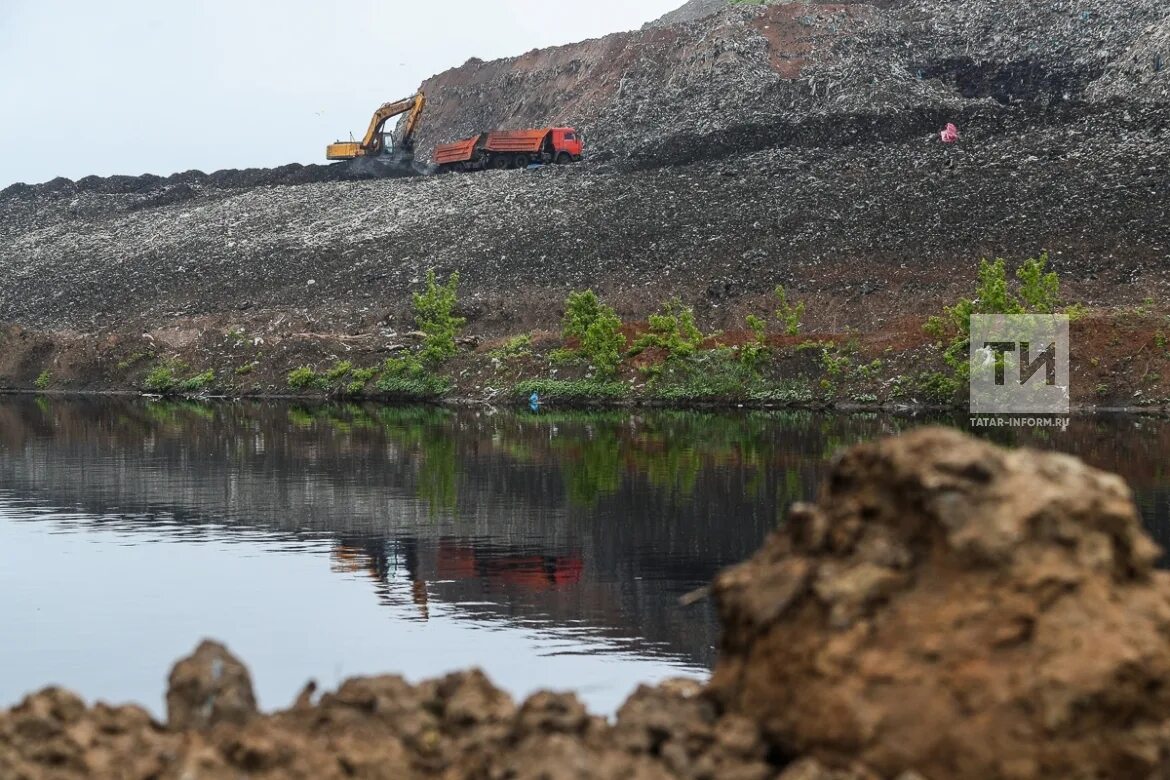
(901, 410)
(1120, 361)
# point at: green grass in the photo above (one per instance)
(408, 377)
(165, 378)
(44, 380)
(790, 392)
(197, 383)
(426, 387)
(571, 389)
(705, 376)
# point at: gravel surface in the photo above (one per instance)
(791, 144)
(689, 12)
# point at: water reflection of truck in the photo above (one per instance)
(455, 560)
(533, 572)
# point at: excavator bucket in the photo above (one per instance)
(377, 155)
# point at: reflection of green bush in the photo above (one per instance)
(300, 418)
(427, 432)
(674, 468)
(437, 470)
(168, 413)
(592, 467)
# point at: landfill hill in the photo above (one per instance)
(792, 143)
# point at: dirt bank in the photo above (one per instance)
(1008, 598)
(1120, 359)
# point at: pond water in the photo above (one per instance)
(331, 541)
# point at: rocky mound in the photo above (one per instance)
(689, 12)
(706, 72)
(948, 610)
(154, 191)
(959, 610)
(1142, 72)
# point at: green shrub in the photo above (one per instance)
(581, 311)
(305, 378)
(363, 375)
(788, 392)
(597, 329)
(1038, 292)
(161, 379)
(563, 357)
(338, 370)
(434, 315)
(44, 380)
(753, 353)
(834, 363)
(789, 315)
(515, 347)
(674, 330)
(424, 388)
(197, 383)
(938, 387)
(246, 369)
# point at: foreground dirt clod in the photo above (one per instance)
(957, 609)
(210, 687)
(948, 609)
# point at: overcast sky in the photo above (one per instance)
(149, 86)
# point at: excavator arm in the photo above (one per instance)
(407, 139)
(373, 143)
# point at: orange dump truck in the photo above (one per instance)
(511, 149)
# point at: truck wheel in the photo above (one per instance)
(499, 162)
(520, 161)
(564, 158)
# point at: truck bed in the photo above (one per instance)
(516, 140)
(457, 151)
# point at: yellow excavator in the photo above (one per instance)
(377, 142)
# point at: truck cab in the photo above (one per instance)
(567, 141)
